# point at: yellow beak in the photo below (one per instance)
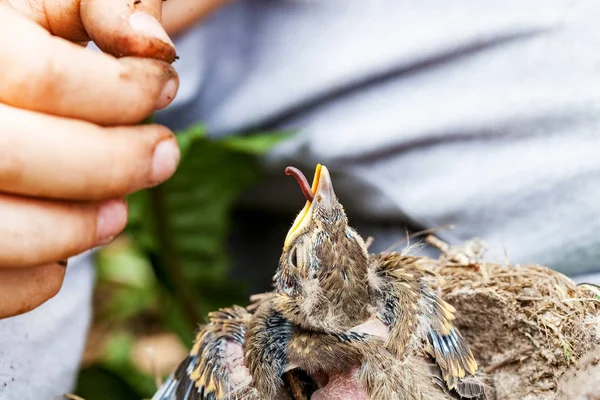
(304, 216)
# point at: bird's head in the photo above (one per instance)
(321, 251)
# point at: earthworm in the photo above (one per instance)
(296, 173)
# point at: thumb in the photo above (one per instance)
(127, 27)
(118, 27)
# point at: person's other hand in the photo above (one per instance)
(68, 152)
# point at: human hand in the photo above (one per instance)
(67, 156)
(179, 15)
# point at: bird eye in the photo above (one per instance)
(294, 257)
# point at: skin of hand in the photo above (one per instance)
(69, 148)
(179, 15)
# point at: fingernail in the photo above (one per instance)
(165, 161)
(112, 217)
(149, 26)
(168, 94)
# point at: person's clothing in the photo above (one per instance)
(483, 115)
(480, 114)
(40, 351)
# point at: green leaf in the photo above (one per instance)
(189, 136)
(98, 383)
(183, 224)
(117, 358)
(258, 144)
(125, 271)
(123, 263)
(118, 348)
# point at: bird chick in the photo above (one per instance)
(327, 285)
(324, 263)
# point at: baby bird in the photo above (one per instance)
(326, 286)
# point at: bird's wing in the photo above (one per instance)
(446, 345)
(206, 373)
(409, 307)
(396, 286)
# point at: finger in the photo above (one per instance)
(178, 15)
(36, 232)
(47, 74)
(59, 17)
(52, 157)
(23, 289)
(128, 28)
(118, 27)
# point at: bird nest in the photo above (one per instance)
(533, 330)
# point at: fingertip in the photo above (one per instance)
(165, 160)
(168, 93)
(24, 289)
(111, 220)
(157, 85)
(128, 28)
(147, 25)
(53, 278)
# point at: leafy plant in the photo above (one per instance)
(171, 266)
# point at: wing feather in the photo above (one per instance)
(449, 349)
(204, 374)
(405, 301)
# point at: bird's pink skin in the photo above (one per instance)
(338, 387)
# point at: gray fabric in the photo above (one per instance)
(40, 351)
(484, 115)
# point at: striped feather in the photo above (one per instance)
(204, 374)
(449, 349)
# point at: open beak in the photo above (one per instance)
(323, 195)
